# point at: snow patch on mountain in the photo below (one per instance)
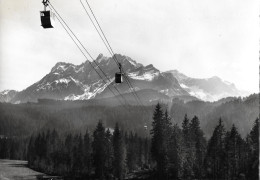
(85, 96)
(79, 70)
(63, 80)
(133, 62)
(148, 76)
(63, 68)
(146, 73)
(165, 91)
(183, 85)
(90, 92)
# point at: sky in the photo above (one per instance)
(201, 38)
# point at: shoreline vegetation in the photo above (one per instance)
(167, 152)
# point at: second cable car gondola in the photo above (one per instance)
(119, 75)
(47, 17)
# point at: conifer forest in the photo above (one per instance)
(166, 151)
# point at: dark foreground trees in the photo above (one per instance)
(252, 152)
(104, 155)
(185, 154)
(172, 152)
(177, 153)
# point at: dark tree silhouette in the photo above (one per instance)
(99, 150)
(216, 153)
(159, 143)
(119, 163)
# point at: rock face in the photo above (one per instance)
(7, 95)
(210, 89)
(67, 81)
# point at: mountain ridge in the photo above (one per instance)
(207, 89)
(67, 81)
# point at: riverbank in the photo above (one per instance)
(16, 169)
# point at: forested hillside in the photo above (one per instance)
(168, 151)
(241, 112)
(76, 116)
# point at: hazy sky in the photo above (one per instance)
(201, 38)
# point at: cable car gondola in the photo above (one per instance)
(119, 75)
(47, 17)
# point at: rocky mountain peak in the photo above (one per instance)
(101, 58)
(150, 67)
(61, 66)
(67, 81)
(178, 75)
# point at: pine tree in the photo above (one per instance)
(119, 153)
(216, 153)
(68, 153)
(189, 149)
(253, 160)
(167, 125)
(199, 145)
(77, 163)
(131, 153)
(99, 150)
(48, 159)
(55, 144)
(176, 153)
(232, 141)
(109, 154)
(185, 127)
(31, 154)
(159, 144)
(87, 153)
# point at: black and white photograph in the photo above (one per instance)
(129, 89)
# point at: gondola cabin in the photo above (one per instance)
(118, 77)
(47, 19)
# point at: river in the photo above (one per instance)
(17, 170)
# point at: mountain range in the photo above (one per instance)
(67, 81)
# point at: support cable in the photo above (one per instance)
(52, 8)
(109, 48)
